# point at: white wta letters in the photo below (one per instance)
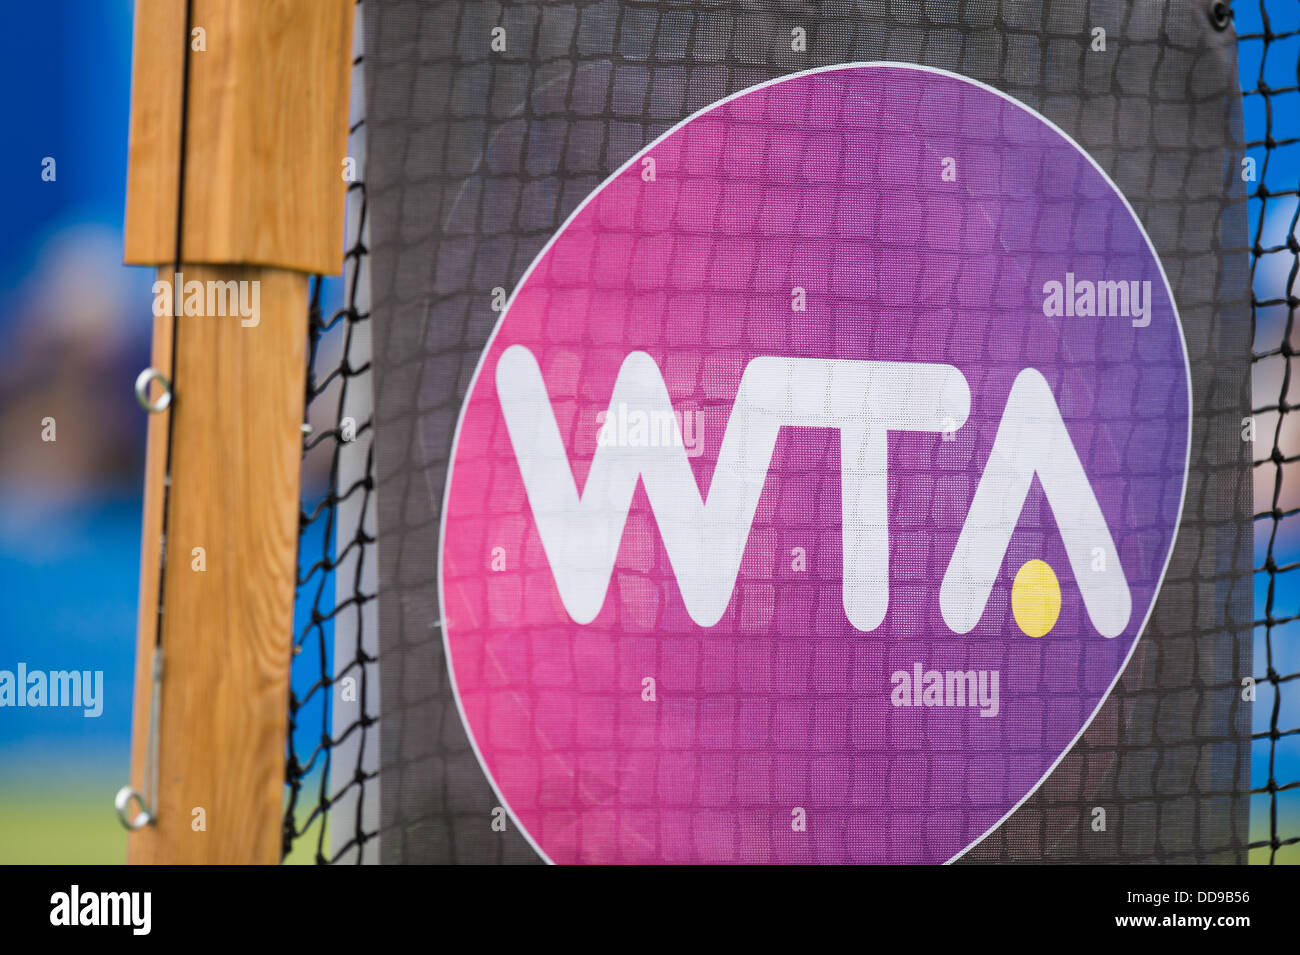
(705, 536)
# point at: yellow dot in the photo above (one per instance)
(1036, 598)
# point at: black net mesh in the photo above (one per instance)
(1269, 49)
(326, 597)
(332, 694)
(638, 78)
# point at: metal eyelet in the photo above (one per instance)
(142, 383)
(125, 796)
(1220, 14)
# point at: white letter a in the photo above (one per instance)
(1032, 441)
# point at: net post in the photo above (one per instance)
(235, 193)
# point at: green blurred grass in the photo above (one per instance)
(54, 825)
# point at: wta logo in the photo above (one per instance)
(783, 522)
(863, 401)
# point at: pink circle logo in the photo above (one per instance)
(817, 482)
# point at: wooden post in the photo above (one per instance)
(265, 131)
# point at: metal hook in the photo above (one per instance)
(142, 383)
(122, 803)
(126, 795)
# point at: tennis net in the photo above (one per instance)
(332, 808)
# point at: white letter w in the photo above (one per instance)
(705, 537)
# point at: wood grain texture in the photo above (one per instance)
(158, 58)
(226, 635)
(266, 133)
